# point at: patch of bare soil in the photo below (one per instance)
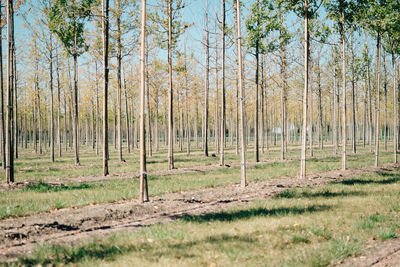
(378, 253)
(19, 236)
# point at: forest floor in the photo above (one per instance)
(22, 235)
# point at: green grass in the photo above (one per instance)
(31, 166)
(302, 227)
(41, 197)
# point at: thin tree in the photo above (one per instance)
(10, 94)
(207, 85)
(170, 92)
(143, 172)
(305, 94)
(105, 35)
(223, 104)
(67, 21)
(3, 135)
(243, 181)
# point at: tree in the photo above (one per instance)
(266, 19)
(10, 94)
(374, 19)
(223, 104)
(207, 85)
(170, 92)
(143, 175)
(243, 181)
(344, 13)
(307, 10)
(105, 35)
(67, 21)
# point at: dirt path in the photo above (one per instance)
(20, 235)
(124, 176)
(379, 254)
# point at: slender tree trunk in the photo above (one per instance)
(75, 100)
(262, 106)
(105, 25)
(385, 90)
(310, 101)
(149, 137)
(305, 94)
(335, 110)
(205, 122)
(3, 134)
(342, 40)
(15, 114)
(51, 102)
(9, 103)
(256, 141)
(243, 181)
(128, 139)
(217, 125)
(378, 86)
(58, 105)
(144, 197)
(353, 99)
(170, 92)
(119, 82)
(97, 111)
(395, 103)
(223, 104)
(283, 100)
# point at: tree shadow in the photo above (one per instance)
(325, 193)
(393, 178)
(229, 216)
(43, 187)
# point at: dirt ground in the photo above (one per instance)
(19, 236)
(379, 254)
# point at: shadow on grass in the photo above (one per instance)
(108, 250)
(325, 193)
(332, 159)
(43, 187)
(254, 212)
(393, 178)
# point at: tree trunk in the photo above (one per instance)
(128, 139)
(243, 181)
(385, 90)
(223, 105)
(205, 121)
(9, 103)
(305, 94)
(105, 23)
(353, 101)
(51, 101)
(378, 85)
(170, 91)
(119, 82)
(2, 128)
(395, 103)
(342, 40)
(143, 171)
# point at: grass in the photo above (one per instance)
(300, 227)
(43, 197)
(31, 166)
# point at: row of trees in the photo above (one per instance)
(269, 50)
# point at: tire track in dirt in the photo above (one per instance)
(19, 236)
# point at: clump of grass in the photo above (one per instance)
(387, 234)
(300, 239)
